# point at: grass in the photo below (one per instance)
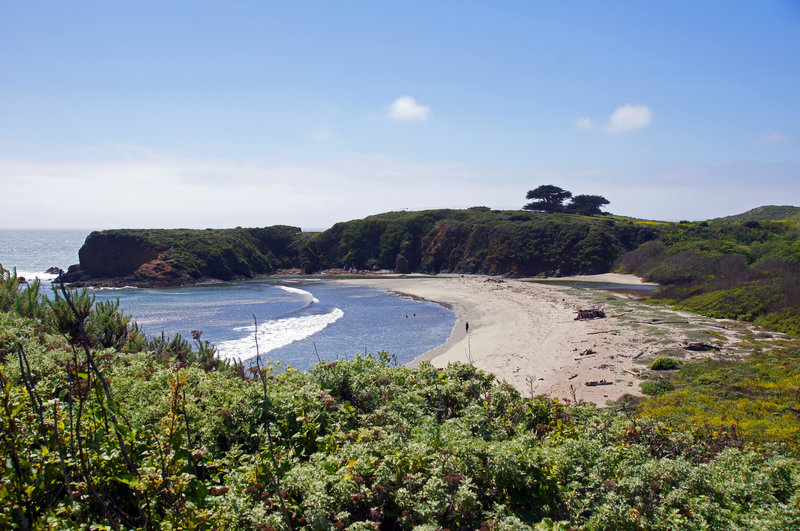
(758, 394)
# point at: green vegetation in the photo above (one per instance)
(738, 270)
(657, 387)
(476, 240)
(549, 198)
(765, 213)
(102, 428)
(665, 364)
(759, 394)
(747, 270)
(181, 255)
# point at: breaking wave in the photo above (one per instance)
(276, 333)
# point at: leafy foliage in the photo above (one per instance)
(587, 205)
(179, 255)
(547, 198)
(155, 436)
(478, 241)
(759, 394)
(739, 270)
(665, 364)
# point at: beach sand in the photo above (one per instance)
(526, 333)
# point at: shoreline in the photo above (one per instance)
(525, 333)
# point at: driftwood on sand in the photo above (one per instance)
(592, 383)
(699, 347)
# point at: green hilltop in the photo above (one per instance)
(766, 213)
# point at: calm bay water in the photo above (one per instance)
(298, 319)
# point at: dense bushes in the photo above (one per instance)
(181, 255)
(738, 270)
(468, 241)
(665, 364)
(154, 436)
(479, 241)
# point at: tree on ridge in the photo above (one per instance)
(547, 198)
(587, 205)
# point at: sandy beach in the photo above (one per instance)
(526, 333)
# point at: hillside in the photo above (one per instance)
(460, 241)
(747, 270)
(764, 213)
(739, 270)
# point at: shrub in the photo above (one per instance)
(665, 364)
(658, 387)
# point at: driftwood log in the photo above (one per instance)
(699, 347)
(592, 383)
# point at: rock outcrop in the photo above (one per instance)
(110, 254)
(163, 257)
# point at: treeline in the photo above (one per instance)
(103, 429)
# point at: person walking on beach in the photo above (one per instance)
(466, 327)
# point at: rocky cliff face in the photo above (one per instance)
(460, 241)
(113, 254)
(161, 257)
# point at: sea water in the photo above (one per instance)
(297, 321)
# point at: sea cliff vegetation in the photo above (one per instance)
(105, 428)
(745, 267)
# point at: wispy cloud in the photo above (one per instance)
(629, 117)
(168, 191)
(406, 109)
(771, 137)
(585, 124)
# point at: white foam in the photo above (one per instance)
(275, 334)
(30, 275)
(299, 291)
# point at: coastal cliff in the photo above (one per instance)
(453, 241)
(746, 268)
(162, 257)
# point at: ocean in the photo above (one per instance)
(300, 320)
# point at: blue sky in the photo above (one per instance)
(246, 113)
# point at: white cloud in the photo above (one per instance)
(771, 137)
(629, 117)
(626, 118)
(406, 109)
